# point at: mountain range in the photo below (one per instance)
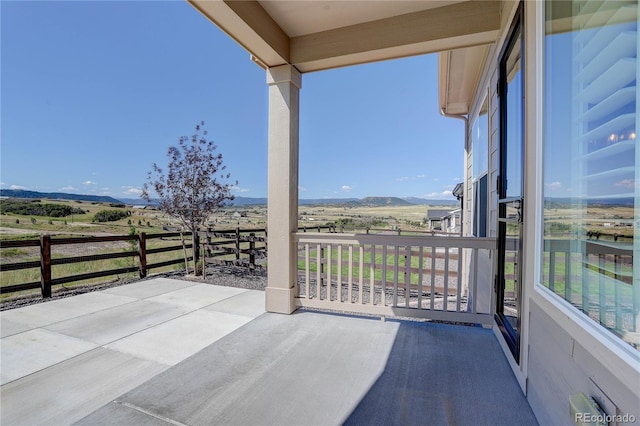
(238, 201)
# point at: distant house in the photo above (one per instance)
(239, 214)
(436, 219)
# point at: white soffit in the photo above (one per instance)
(459, 72)
(315, 35)
(303, 17)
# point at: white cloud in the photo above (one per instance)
(236, 188)
(436, 179)
(301, 188)
(89, 182)
(17, 187)
(346, 188)
(67, 188)
(404, 178)
(626, 183)
(554, 185)
(3, 184)
(438, 195)
(129, 190)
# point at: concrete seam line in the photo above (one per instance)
(149, 413)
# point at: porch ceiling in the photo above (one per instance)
(314, 35)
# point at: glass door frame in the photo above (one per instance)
(511, 334)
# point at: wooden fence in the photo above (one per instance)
(46, 261)
(245, 248)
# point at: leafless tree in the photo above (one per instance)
(195, 184)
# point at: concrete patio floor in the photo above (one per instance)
(165, 352)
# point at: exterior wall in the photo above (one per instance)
(560, 366)
(562, 353)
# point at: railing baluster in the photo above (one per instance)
(459, 286)
(602, 301)
(329, 272)
(552, 270)
(433, 277)
(372, 278)
(361, 275)
(350, 280)
(383, 294)
(407, 275)
(567, 276)
(474, 283)
(339, 290)
(618, 302)
(395, 275)
(445, 301)
(420, 268)
(318, 271)
(307, 270)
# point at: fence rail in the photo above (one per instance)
(418, 276)
(245, 248)
(45, 244)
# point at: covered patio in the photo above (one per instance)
(239, 366)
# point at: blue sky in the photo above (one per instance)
(93, 93)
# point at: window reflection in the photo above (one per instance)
(591, 175)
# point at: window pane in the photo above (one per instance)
(513, 147)
(480, 141)
(480, 207)
(591, 191)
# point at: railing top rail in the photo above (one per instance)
(396, 240)
(416, 231)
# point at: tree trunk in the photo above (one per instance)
(196, 249)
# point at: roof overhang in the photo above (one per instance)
(314, 35)
(459, 72)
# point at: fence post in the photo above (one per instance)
(204, 258)
(45, 265)
(184, 251)
(142, 253)
(237, 245)
(195, 242)
(252, 255)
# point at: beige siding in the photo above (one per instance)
(560, 367)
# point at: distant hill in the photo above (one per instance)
(21, 193)
(558, 202)
(425, 201)
(384, 201)
(238, 201)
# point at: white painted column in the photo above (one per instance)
(284, 105)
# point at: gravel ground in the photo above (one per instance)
(223, 275)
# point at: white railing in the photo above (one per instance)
(389, 275)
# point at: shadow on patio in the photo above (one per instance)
(314, 368)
